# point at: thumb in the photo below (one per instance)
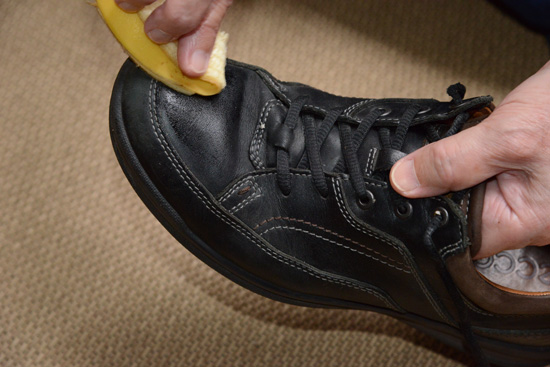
(451, 164)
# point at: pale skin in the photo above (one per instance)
(193, 23)
(510, 150)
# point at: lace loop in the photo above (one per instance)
(457, 92)
(282, 137)
(283, 157)
(361, 133)
(316, 134)
(314, 156)
(404, 125)
(352, 163)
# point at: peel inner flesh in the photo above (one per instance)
(160, 61)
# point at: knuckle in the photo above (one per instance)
(175, 16)
(209, 32)
(217, 13)
(177, 13)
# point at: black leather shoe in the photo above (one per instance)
(284, 189)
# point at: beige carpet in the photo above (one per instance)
(89, 278)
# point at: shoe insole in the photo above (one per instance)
(526, 270)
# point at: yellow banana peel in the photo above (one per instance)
(160, 61)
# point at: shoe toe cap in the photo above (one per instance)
(210, 136)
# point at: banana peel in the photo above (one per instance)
(160, 61)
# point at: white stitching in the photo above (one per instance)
(453, 246)
(369, 168)
(315, 108)
(259, 134)
(270, 80)
(349, 219)
(350, 109)
(382, 185)
(234, 189)
(189, 182)
(374, 184)
(340, 197)
(316, 226)
(335, 243)
(251, 198)
(451, 251)
(448, 247)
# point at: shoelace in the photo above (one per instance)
(350, 142)
(464, 322)
(315, 136)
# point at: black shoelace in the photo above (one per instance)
(350, 142)
(315, 136)
(464, 322)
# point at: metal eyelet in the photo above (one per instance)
(424, 110)
(366, 202)
(386, 110)
(403, 210)
(442, 212)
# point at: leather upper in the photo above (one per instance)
(215, 160)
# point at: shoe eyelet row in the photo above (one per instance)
(366, 202)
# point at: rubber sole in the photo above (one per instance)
(499, 353)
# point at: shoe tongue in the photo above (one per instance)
(473, 210)
(293, 140)
(331, 148)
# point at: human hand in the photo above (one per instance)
(193, 23)
(510, 149)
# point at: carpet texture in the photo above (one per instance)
(88, 277)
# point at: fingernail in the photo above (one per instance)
(199, 61)
(404, 176)
(158, 36)
(127, 7)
